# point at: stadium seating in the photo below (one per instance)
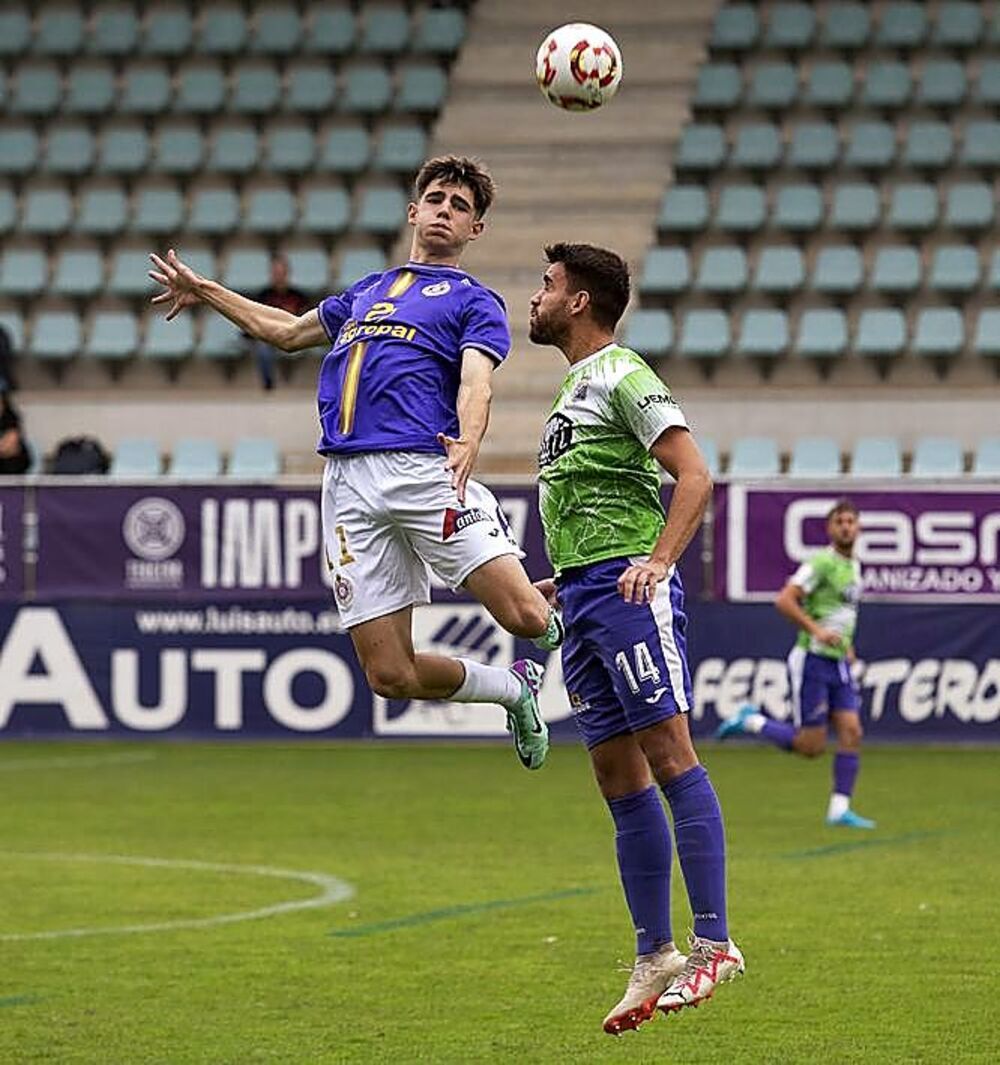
(876, 456)
(936, 456)
(135, 457)
(814, 456)
(195, 458)
(254, 457)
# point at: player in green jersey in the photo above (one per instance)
(821, 598)
(613, 428)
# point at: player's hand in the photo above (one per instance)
(179, 280)
(828, 637)
(548, 588)
(461, 459)
(638, 583)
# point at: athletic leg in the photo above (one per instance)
(846, 763)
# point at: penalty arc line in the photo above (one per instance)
(332, 891)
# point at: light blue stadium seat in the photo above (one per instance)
(218, 339)
(942, 83)
(684, 209)
(790, 26)
(289, 147)
(167, 30)
(356, 263)
(56, 336)
(102, 209)
(881, 333)
(385, 28)
(939, 333)
(719, 87)
(310, 87)
(757, 146)
(195, 459)
(400, 149)
(309, 267)
(324, 209)
(763, 334)
(701, 147)
(222, 29)
(914, 206)
(649, 331)
(903, 25)
(114, 30)
(15, 30)
(855, 207)
(269, 209)
(887, 85)
(255, 87)
(870, 145)
(246, 269)
(987, 89)
(876, 456)
(145, 88)
(741, 209)
(929, 146)
(166, 341)
(90, 88)
(276, 29)
(440, 30)
(46, 209)
(157, 207)
(24, 269)
(838, 270)
(128, 275)
(980, 147)
(937, 456)
(422, 89)
(969, 206)
(896, 269)
(112, 336)
(822, 334)
(666, 271)
(233, 148)
(773, 86)
(846, 26)
(123, 148)
(705, 335)
(330, 29)
(380, 211)
(36, 89)
(367, 88)
(955, 268)
(814, 456)
(344, 150)
(813, 146)
(78, 271)
(59, 30)
(137, 458)
(69, 149)
(986, 339)
(722, 269)
(778, 270)
(255, 457)
(214, 209)
(798, 208)
(179, 148)
(754, 456)
(986, 461)
(18, 149)
(959, 24)
(736, 28)
(829, 84)
(201, 87)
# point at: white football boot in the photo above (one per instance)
(708, 965)
(651, 975)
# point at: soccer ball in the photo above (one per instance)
(578, 67)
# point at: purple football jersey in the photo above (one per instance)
(390, 381)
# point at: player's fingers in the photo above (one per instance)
(160, 264)
(162, 298)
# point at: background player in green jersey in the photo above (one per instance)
(821, 598)
(613, 426)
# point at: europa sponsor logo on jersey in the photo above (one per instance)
(153, 530)
(457, 520)
(556, 439)
(353, 331)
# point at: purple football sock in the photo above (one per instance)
(701, 847)
(845, 772)
(780, 733)
(642, 842)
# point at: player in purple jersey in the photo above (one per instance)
(404, 397)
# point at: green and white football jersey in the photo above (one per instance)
(599, 488)
(832, 585)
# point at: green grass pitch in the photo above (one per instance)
(487, 923)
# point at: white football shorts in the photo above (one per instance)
(388, 516)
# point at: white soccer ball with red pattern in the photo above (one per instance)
(579, 67)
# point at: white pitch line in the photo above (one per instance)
(83, 761)
(332, 890)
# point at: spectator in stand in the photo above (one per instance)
(278, 294)
(14, 456)
(7, 382)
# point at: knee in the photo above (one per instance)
(390, 681)
(810, 748)
(850, 739)
(527, 618)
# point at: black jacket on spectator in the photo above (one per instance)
(11, 440)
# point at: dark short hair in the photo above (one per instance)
(603, 273)
(842, 506)
(459, 170)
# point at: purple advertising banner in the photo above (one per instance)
(919, 544)
(217, 543)
(11, 543)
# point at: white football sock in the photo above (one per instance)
(487, 684)
(754, 723)
(839, 805)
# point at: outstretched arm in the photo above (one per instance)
(184, 288)
(474, 394)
